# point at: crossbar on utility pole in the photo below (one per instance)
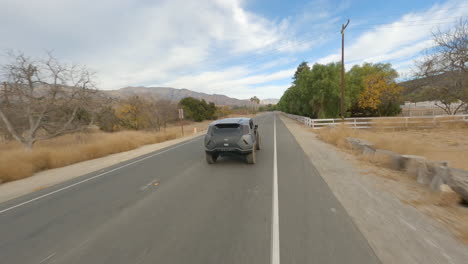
(343, 27)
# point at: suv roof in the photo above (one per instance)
(235, 120)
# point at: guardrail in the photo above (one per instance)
(381, 122)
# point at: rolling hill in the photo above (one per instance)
(174, 94)
(426, 89)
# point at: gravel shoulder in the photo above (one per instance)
(47, 178)
(397, 232)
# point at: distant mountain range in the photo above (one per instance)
(272, 101)
(176, 95)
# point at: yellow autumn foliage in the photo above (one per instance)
(377, 90)
(132, 116)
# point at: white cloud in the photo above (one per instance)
(139, 43)
(236, 82)
(403, 38)
(204, 45)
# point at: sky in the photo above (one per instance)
(240, 48)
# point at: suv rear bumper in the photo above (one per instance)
(228, 150)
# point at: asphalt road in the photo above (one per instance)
(172, 207)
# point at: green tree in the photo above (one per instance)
(315, 92)
(372, 91)
(198, 110)
(302, 67)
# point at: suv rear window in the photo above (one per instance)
(227, 129)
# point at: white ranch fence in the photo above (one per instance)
(382, 122)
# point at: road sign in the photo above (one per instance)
(181, 116)
(181, 113)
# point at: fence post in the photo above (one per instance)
(312, 122)
(354, 122)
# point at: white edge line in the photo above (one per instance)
(94, 177)
(47, 258)
(275, 244)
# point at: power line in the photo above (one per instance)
(420, 20)
(404, 26)
(408, 12)
(279, 49)
(274, 48)
(265, 53)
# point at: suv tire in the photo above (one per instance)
(252, 157)
(211, 158)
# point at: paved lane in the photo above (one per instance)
(314, 227)
(175, 208)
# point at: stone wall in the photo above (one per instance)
(434, 174)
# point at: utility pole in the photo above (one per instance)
(343, 27)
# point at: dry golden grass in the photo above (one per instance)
(336, 135)
(447, 143)
(16, 162)
(402, 123)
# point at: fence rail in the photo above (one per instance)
(382, 122)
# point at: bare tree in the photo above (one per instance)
(166, 112)
(42, 99)
(445, 67)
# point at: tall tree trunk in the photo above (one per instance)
(28, 144)
(10, 127)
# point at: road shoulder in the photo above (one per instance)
(397, 232)
(48, 178)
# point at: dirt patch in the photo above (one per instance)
(438, 144)
(447, 144)
(445, 207)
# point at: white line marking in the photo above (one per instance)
(148, 185)
(275, 245)
(50, 256)
(94, 177)
(408, 224)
